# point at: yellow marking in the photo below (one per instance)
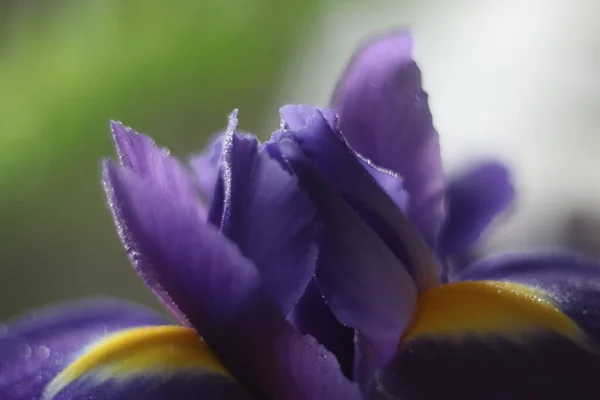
(482, 307)
(147, 350)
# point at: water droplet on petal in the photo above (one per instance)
(25, 350)
(43, 352)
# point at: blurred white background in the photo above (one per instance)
(516, 80)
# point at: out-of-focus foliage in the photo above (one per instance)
(173, 69)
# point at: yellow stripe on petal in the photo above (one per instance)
(139, 351)
(482, 307)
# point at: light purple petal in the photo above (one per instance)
(140, 154)
(384, 115)
(36, 347)
(263, 210)
(474, 199)
(344, 173)
(220, 292)
(206, 166)
(365, 285)
(390, 182)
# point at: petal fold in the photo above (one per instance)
(342, 170)
(263, 210)
(364, 284)
(36, 347)
(384, 115)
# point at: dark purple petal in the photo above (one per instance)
(473, 200)
(571, 281)
(384, 115)
(312, 316)
(206, 166)
(220, 292)
(541, 366)
(513, 327)
(265, 212)
(161, 362)
(519, 330)
(36, 347)
(364, 284)
(150, 387)
(343, 171)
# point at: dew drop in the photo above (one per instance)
(25, 350)
(43, 352)
(420, 96)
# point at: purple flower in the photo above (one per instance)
(326, 263)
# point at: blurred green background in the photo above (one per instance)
(503, 77)
(173, 69)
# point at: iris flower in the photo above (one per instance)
(326, 263)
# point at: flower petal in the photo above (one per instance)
(152, 362)
(266, 213)
(206, 166)
(343, 171)
(474, 199)
(312, 316)
(384, 115)
(139, 153)
(390, 182)
(36, 347)
(220, 292)
(489, 339)
(365, 285)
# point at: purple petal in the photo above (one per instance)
(206, 166)
(473, 200)
(390, 182)
(162, 362)
(524, 336)
(384, 115)
(364, 284)
(36, 347)
(270, 218)
(140, 154)
(342, 170)
(220, 292)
